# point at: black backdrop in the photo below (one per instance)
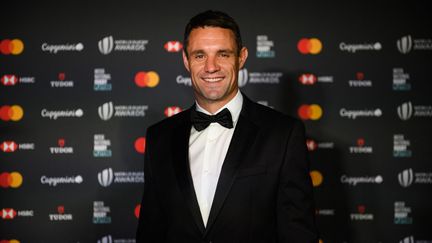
(364, 62)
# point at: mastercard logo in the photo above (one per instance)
(9, 241)
(11, 113)
(316, 177)
(14, 47)
(147, 79)
(137, 210)
(310, 112)
(13, 180)
(140, 145)
(309, 46)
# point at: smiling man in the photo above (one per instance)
(227, 169)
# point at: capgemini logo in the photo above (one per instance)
(106, 45)
(405, 111)
(406, 177)
(408, 239)
(106, 177)
(105, 239)
(242, 77)
(106, 111)
(404, 44)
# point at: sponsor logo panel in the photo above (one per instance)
(60, 215)
(401, 213)
(108, 44)
(309, 46)
(11, 179)
(107, 177)
(11, 112)
(12, 80)
(65, 47)
(101, 146)
(101, 80)
(59, 180)
(107, 110)
(11, 47)
(400, 80)
(100, 213)
(264, 47)
(408, 177)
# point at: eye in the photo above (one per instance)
(224, 55)
(199, 56)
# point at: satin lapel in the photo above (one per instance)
(181, 166)
(243, 137)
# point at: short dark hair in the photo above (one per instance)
(211, 18)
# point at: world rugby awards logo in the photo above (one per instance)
(406, 177)
(105, 177)
(404, 44)
(106, 45)
(405, 111)
(105, 239)
(106, 111)
(409, 239)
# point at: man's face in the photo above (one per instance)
(213, 63)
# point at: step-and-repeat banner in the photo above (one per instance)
(81, 83)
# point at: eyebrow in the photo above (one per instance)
(219, 51)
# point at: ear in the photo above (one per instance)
(186, 61)
(242, 57)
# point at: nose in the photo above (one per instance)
(211, 65)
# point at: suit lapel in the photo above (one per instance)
(244, 134)
(181, 166)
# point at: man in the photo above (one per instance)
(227, 169)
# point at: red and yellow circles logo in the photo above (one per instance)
(317, 178)
(310, 112)
(13, 180)
(146, 79)
(14, 47)
(309, 46)
(11, 113)
(140, 145)
(9, 241)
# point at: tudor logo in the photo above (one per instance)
(8, 146)
(308, 79)
(9, 80)
(173, 46)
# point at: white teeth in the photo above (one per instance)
(212, 79)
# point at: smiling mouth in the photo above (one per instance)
(212, 79)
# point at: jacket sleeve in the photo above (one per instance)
(151, 219)
(295, 205)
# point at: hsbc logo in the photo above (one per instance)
(8, 146)
(10, 213)
(9, 80)
(173, 46)
(12, 79)
(11, 146)
(307, 79)
(311, 79)
(172, 110)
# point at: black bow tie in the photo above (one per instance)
(200, 120)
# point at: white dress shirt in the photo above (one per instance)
(207, 151)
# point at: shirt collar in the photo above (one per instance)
(234, 106)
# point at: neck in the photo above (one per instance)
(214, 105)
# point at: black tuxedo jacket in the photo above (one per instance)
(264, 192)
